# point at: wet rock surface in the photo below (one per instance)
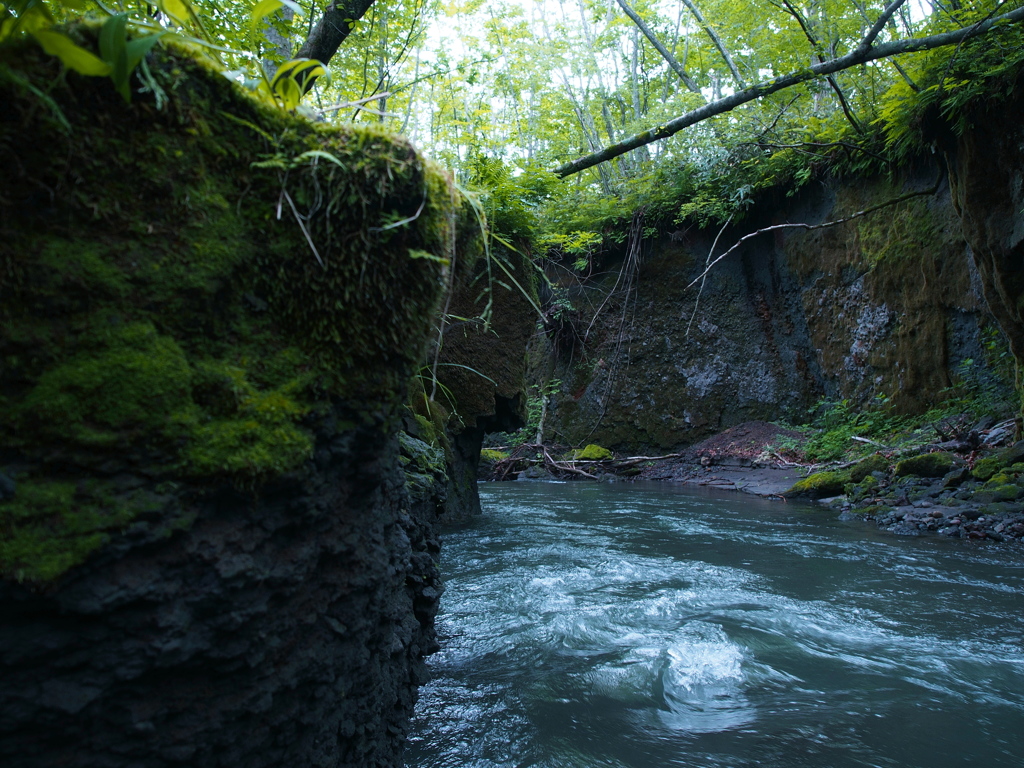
(287, 628)
(959, 504)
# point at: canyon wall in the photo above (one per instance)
(886, 305)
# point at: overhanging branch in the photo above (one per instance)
(861, 55)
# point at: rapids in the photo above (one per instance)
(643, 625)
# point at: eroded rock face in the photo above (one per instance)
(986, 171)
(887, 304)
(483, 370)
(285, 629)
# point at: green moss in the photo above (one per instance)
(247, 448)
(424, 466)
(158, 298)
(132, 379)
(50, 527)
(491, 455)
(431, 417)
(859, 490)
(987, 467)
(876, 510)
(1005, 492)
(241, 431)
(1001, 477)
(876, 462)
(935, 464)
(820, 484)
(593, 453)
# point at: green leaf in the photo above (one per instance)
(266, 7)
(178, 10)
(71, 56)
(32, 16)
(112, 49)
(416, 253)
(136, 49)
(288, 91)
(263, 8)
(112, 36)
(293, 79)
(320, 153)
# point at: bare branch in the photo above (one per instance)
(717, 42)
(665, 54)
(852, 59)
(879, 24)
(808, 227)
(829, 78)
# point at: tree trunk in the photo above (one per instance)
(280, 44)
(335, 25)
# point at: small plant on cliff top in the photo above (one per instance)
(120, 57)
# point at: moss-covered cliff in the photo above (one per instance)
(209, 312)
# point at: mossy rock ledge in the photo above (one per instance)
(820, 485)
(209, 313)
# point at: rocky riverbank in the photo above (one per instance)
(983, 499)
(962, 491)
(959, 490)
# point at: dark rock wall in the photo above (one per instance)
(210, 553)
(885, 305)
(287, 628)
(482, 370)
(986, 170)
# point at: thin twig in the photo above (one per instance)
(703, 278)
(403, 222)
(298, 220)
(805, 226)
(355, 103)
(860, 439)
(566, 467)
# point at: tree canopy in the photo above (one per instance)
(515, 94)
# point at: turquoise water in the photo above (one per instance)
(640, 626)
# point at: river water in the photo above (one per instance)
(644, 625)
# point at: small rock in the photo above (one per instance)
(905, 529)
